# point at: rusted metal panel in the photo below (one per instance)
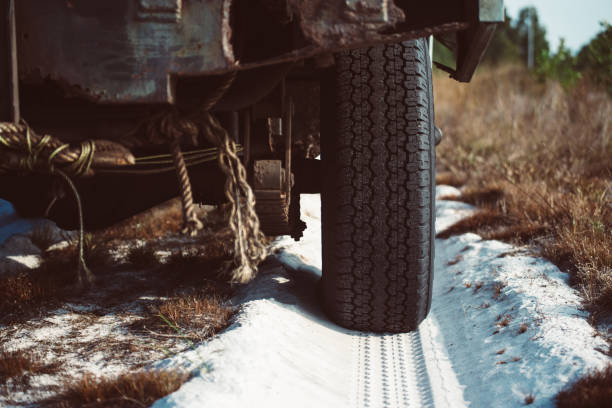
(132, 51)
(337, 23)
(120, 50)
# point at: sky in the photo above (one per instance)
(575, 20)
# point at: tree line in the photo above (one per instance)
(510, 44)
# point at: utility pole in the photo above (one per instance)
(530, 38)
(9, 92)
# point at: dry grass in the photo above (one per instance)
(138, 389)
(455, 261)
(16, 368)
(538, 160)
(194, 317)
(159, 221)
(505, 321)
(142, 256)
(497, 290)
(450, 179)
(22, 294)
(591, 391)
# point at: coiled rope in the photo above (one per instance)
(32, 152)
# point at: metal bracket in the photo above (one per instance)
(491, 11)
(159, 11)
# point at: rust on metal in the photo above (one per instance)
(133, 51)
(333, 23)
(120, 50)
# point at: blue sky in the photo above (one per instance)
(575, 20)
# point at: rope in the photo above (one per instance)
(171, 127)
(191, 222)
(84, 275)
(35, 152)
(249, 249)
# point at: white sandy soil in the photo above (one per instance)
(503, 325)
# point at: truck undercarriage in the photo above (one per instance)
(163, 85)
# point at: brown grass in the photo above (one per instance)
(539, 161)
(505, 321)
(593, 390)
(138, 389)
(18, 366)
(455, 261)
(497, 290)
(194, 317)
(450, 178)
(142, 256)
(159, 221)
(24, 293)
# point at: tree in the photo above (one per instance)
(560, 66)
(595, 58)
(510, 42)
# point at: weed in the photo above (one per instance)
(529, 399)
(523, 328)
(477, 287)
(502, 351)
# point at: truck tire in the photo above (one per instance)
(378, 187)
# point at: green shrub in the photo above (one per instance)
(595, 58)
(560, 66)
